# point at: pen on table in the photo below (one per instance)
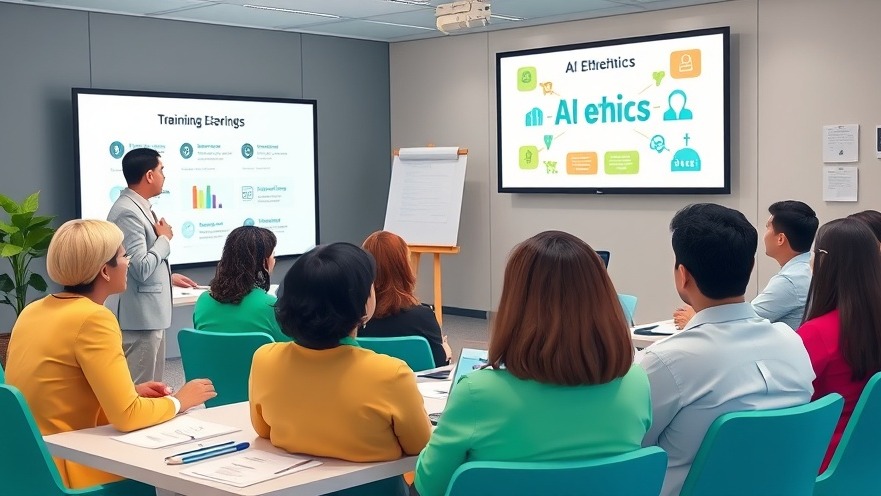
(302, 462)
(203, 448)
(204, 455)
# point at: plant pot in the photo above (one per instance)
(4, 345)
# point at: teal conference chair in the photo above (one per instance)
(225, 358)
(853, 468)
(2, 375)
(412, 349)
(25, 464)
(628, 303)
(638, 473)
(765, 451)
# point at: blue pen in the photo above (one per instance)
(197, 457)
(202, 449)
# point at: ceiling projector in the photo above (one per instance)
(461, 15)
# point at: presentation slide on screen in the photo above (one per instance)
(228, 163)
(642, 114)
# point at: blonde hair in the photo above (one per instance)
(79, 249)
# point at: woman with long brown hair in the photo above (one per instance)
(398, 311)
(561, 383)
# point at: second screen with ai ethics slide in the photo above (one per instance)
(648, 114)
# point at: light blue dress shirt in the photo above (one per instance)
(727, 359)
(783, 299)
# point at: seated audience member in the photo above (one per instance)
(238, 300)
(560, 384)
(842, 329)
(323, 395)
(871, 218)
(398, 312)
(65, 355)
(727, 358)
(789, 234)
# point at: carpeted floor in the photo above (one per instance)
(462, 332)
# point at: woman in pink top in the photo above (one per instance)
(842, 324)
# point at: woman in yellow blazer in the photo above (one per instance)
(65, 355)
(323, 395)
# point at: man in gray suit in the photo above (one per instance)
(144, 309)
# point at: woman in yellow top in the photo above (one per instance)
(65, 355)
(323, 395)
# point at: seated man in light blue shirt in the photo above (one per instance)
(789, 234)
(727, 358)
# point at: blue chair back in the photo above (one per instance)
(412, 349)
(2, 375)
(853, 468)
(638, 473)
(628, 303)
(765, 451)
(225, 358)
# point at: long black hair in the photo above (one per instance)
(242, 265)
(847, 277)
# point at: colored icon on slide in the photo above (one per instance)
(188, 229)
(186, 150)
(527, 79)
(549, 138)
(685, 64)
(658, 76)
(249, 222)
(528, 157)
(676, 110)
(116, 149)
(247, 150)
(114, 193)
(658, 144)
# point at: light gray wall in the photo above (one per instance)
(443, 91)
(47, 51)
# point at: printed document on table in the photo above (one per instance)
(249, 468)
(179, 430)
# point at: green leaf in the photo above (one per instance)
(41, 220)
(8, 228)
(6, 284)
(9, 250)
(31, 203)
(22, 220)
(38, 235)
(8, 204)
(37, 282)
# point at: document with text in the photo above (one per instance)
(250, 467)
(179, 430)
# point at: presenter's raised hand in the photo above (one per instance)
(195, 393)
(183, 281)
(153, 389)
(682, 315)
(163, 229)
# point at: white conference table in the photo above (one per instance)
(96, 448)
(641, 341)
(181, 297)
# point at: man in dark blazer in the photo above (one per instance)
(144, 309)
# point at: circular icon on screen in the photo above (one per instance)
(249, 222)
(188, 229)
(116, 149)
(114, 193)
(247, 150)
(186, 150)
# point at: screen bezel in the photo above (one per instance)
(75, 92)
(725, 31)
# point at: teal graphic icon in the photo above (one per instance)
(247, 150)
(114, 193)
(658, 144)
(676, 110)
(535, 117)
(188, 229)
(686, 159)
(548, 139)
(186, 150)
(116, 149)
(249, 222)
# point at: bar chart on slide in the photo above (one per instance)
(204, 198)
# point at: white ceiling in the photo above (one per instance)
(380, 20)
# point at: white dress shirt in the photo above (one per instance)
(784, 298)
(727, 359)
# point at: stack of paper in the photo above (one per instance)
(249, 468)
(434, 389)
(179, 430)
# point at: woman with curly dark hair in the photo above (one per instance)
(238, 300)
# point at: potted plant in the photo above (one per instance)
(24, 236)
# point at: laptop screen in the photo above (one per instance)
(604, 256)
(469, 360)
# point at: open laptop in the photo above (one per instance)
(470, 359)
(604, 256)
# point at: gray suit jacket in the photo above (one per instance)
(146, 302)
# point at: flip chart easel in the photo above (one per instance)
(428, 223)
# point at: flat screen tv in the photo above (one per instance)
(634, 115)
(229, 161)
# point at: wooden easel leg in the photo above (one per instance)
(438, 299)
